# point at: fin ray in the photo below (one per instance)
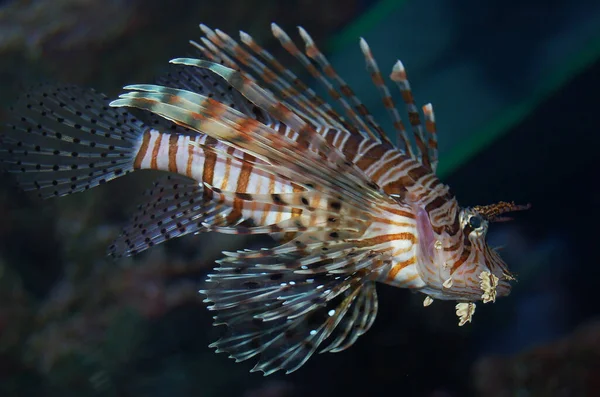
(63, 139)
(176, 207)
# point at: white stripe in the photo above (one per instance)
(344, 138)
(235, 170)
(183, 148)
(394, 173)
(146, 161)
(198, 159)
(386, 158)
(162, 158)
(362, 150)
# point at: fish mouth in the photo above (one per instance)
(503, 288)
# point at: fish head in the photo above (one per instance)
(456, 261)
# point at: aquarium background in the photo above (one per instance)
(515, 87)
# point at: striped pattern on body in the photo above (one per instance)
(198, 157)
(185, 155)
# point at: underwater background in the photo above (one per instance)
(515, 86)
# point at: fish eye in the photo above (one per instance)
(475, 221)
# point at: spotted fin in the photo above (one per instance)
(176, 206)
(284, 315)
(61, 140)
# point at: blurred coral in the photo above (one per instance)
(567, 367)
(93, 319)
(14, 309)
(76, 316)
(107, 44)
(36, 25)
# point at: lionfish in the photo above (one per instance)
(251, 149)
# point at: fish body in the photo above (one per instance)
(250, 149)
(224, 169)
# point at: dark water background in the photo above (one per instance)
(73, 323)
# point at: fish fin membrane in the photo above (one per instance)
(356, 322)
(283, 316)
(203, 81)
(175, 206)
(60, 140)
(305, 160)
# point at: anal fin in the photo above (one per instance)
(176, 207)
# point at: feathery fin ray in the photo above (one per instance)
(65, 139)
(284, 316)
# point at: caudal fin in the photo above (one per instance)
(62, 140)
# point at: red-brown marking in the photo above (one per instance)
(242, 187)
(139, 157)
(399, 266)
(385, 238)
(173, 147)
(155, 149)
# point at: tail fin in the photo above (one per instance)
(62, 140)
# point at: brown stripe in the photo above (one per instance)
(283, 130)
(268, 75)
(346, 90)
(350, 147)
(453, 228)
(414, 119)
(407, 96)
(400, 212)
(389, 164)
(388, 102)
(327, 68)
(430, 181)
(296, 211)
(288, 236)
(208, 172)
(362, 110)
(377, 78)
(329, 134)
(384, 239)
(418, 173)
(245, 173)
(137, 163)
(228, 160)
(435, 204)
(242, 187)
(155, 149)
(460, 261)
(173, 147)
(399, 266)
(387, 221)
